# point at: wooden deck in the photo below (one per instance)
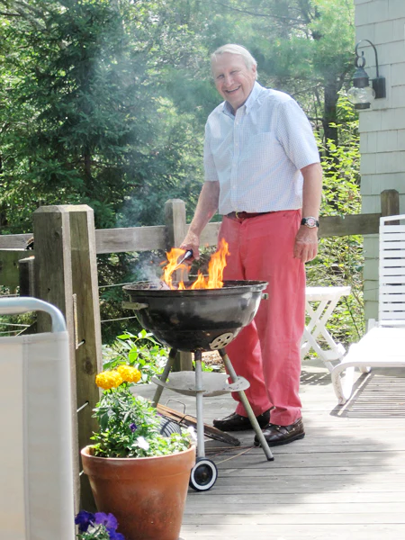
(345, 480)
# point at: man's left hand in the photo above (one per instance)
(306, 244)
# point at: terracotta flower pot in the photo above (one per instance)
(146, 495)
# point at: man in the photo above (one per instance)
(262, 172)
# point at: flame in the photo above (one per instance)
(172, 257)
(216, 266)
(215, 269)
(200, 282)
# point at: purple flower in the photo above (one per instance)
(84, 519)
(114, 535)
(133, 427)
(108, 520)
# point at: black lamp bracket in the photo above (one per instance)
(379, 82)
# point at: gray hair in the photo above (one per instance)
(232, 48)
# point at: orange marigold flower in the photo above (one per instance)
(108, 379)
(129, 373)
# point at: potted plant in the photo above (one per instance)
(136, 473)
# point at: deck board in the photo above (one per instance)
(344, 481)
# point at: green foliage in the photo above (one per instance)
(97, 533)
(104, 103)
(340, 260)
(129, 427)
(86, 117)
(141, 351)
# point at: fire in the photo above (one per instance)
(173, 256)
(215, 269)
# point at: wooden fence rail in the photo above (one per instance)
(63, 271)
(161, 236)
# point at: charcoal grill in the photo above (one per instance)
(198, 320)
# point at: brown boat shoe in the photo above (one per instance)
(277, 435)
(236, 422)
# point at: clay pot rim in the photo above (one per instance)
(86, 452)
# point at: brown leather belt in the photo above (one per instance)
(241, 216)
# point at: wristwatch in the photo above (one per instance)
(310, 222)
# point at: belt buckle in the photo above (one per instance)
(236, 215)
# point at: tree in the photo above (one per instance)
(86, 117)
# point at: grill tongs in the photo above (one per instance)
(188, 254)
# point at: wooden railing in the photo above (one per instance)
(164, 236)
(62, 270)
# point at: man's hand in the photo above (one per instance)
(306, 244)
(206, 208)
(191, 241)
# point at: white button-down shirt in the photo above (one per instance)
(257, 154)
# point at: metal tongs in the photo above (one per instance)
(187, 255)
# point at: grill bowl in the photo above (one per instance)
(201, 319)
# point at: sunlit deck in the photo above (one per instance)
(345, 480)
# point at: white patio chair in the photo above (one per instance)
(36, 472)
(384, 343)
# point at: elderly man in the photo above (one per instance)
(262, 172)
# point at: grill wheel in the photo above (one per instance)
(203, 475)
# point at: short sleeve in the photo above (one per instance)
(295, 134)
(210, 171)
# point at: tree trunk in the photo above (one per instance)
(330, 109)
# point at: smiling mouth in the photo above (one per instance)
(232, 91)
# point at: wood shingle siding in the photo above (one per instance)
(382, 127)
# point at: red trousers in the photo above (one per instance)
(267, 352)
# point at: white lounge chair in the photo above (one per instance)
(384, 343)
(36, 472)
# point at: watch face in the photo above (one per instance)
(311, 222)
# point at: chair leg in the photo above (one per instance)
(365, 369)
(371, 324)
(343, 384)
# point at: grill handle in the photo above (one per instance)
(137, 306)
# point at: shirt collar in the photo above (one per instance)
(254, 94)
(248, 103)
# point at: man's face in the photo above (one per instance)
(233, 80)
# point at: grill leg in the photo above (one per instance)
(164, 376)
(248, 408)
(199, 404)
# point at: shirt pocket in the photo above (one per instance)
(222, 153)
(265, 144)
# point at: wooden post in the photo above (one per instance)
(390, 203)
(53, 266)
(66, 276)
(87, 329)
(175, 220)
(176, 227)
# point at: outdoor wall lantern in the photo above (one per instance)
(361, 94)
